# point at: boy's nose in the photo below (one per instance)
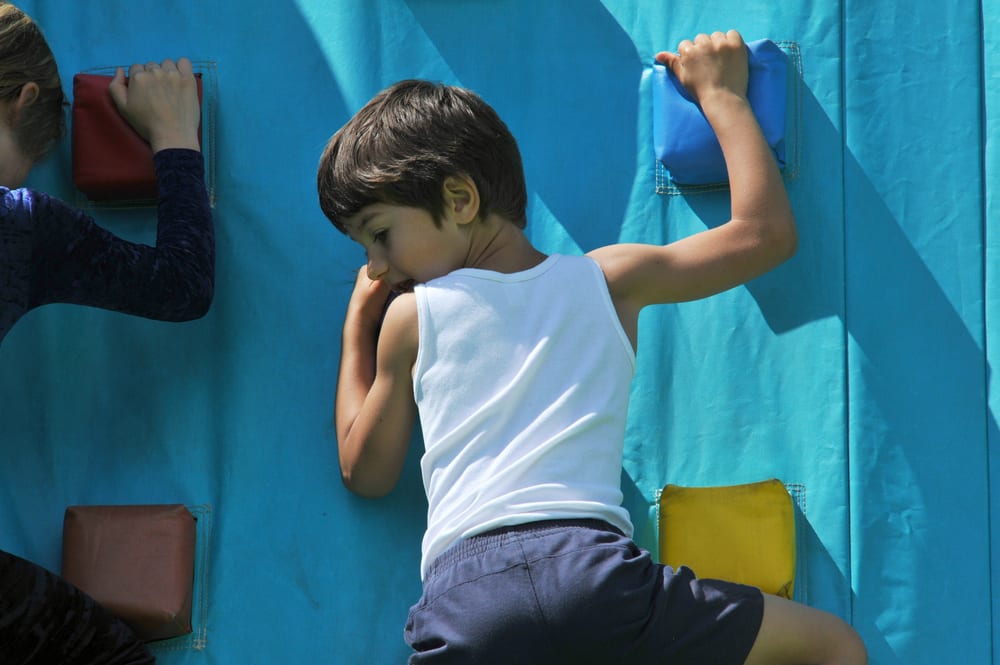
(377, 268)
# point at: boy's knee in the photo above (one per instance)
(854, 650)
(844, 645)
(795, 634)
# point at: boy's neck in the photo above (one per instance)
(498, 245)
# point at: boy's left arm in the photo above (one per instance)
(375, 410)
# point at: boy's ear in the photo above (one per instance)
(461, 198)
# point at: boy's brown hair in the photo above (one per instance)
(401, 145)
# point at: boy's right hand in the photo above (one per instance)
(761, 232)
(709, 64)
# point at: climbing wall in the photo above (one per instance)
(859, 372)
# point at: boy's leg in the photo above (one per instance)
(795, 634)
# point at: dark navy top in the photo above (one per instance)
(51, 252)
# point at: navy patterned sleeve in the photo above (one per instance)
(76, 261)
(45, 619)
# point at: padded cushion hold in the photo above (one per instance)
(136, 561)
(111, 162)
(740, 533)
(684, 141)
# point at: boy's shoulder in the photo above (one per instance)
(398, 337)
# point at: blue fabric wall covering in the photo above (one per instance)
(861, 369)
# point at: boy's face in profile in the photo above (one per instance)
(404, 246)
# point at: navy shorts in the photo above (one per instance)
(574, 592)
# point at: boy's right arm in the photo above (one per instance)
(761, 232)
(375, 410)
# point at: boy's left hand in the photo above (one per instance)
(368, 300)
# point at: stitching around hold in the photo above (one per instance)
(197, 640)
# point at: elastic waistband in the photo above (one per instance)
(494, 538)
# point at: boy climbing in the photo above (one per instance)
(518, 366)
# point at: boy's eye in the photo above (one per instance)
(380, 236)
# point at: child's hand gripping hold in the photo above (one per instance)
(710, 64)
(161, 102)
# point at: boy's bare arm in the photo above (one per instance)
(761, 232)
(375, 410)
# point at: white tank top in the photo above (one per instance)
(522, 384)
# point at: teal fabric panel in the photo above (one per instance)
(232, 411)
(991, 213)
(918, 416)
(860, 371)
(719, 373)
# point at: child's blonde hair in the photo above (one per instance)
(25, 57)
